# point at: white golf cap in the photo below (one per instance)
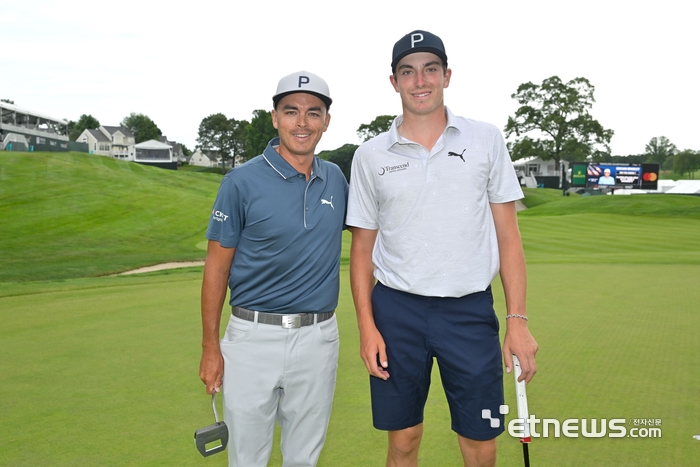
(303, 81)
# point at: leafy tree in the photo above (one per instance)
(378, 126)
(223, 135)
(142, 127)
(215, 134)
(658, 149)
(240, 135)
(341, 156)
(686, 162)
(259, 132)
(631, 159)
(558, 115)
(85, 122)
(7, 101)
(185, 151)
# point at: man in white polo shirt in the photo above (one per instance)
(432, 206)
(275, 240)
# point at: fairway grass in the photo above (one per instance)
(103, 371)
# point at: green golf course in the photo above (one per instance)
(98, 369)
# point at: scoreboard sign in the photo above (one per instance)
(614, 175)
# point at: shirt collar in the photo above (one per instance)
(282, 167)
(396, 138)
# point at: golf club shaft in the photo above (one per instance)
(213, 406)
(526, 455)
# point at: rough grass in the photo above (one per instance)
(69, 215)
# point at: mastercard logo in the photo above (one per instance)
(650, 176)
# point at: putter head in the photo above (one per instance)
(211, 439)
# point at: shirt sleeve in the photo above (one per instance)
(503, 184)
(362, 198)
(227, 216)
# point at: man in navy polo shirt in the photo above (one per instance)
(275, 237)
(432, 205)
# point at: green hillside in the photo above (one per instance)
(66, 215)
(546, 202)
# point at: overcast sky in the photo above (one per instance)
(178, 62)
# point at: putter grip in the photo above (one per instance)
(521, 399)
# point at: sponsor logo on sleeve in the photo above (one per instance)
(218, 216)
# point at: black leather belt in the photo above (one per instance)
(287, 321)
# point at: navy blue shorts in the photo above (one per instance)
(462, 335)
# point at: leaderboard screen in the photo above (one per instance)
(614, 175)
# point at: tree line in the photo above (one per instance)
(236, 140)
(553, 122)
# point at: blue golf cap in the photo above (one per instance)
(418, 41)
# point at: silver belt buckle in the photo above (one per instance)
(291, 321)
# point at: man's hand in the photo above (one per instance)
(214, 288)
(519, 341)
(372, 346)
(211, 370)
(373, 352)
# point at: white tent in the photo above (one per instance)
(153, 151)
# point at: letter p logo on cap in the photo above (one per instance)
(301, 82)
(416, 38)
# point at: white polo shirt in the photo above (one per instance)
(436, 232)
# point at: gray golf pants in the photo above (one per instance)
(277, 374)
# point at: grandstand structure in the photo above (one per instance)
(26, 130)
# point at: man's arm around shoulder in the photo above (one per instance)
(214, 288)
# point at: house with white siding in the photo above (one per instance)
(201, 159)
(110, 141)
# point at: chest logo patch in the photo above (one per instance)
(393, 168)
(454, 154)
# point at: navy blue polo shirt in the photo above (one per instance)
(287, 233)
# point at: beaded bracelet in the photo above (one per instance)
(517, 316)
